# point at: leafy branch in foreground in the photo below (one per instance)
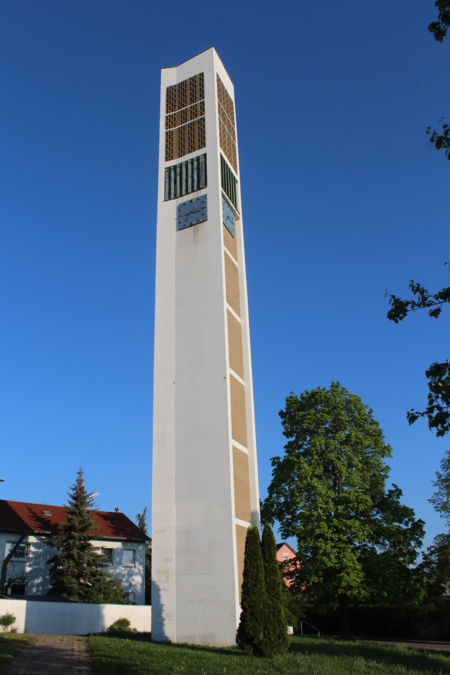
(438, 374)
(439, 28)
(440, 141)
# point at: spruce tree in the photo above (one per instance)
(77, 567)
(276, 635)
(141, 520)
(250, 633)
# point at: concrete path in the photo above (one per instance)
(53, 655)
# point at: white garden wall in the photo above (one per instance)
(73, 618)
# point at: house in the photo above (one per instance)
(117, 536)
(284, 554)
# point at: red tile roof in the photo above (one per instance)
(21, 516)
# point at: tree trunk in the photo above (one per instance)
(344, 616)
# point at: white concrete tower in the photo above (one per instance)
(205, 479)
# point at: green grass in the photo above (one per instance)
(137, 655)
(10, 646)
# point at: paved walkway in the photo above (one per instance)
(53, 655)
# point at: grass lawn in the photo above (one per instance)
(136, 654)
(10, 646)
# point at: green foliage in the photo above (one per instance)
(438, 374)
(441, 498)
(435, 565)
(441, 141)
(409, 621)
(439, 28)
(120, 624)
(354, 538)
(250, 633)
(7, 620)
(108, 590)
(294, 607)
(77, 569)
(275, 634)
(141, 520)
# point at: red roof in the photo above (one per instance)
(21, 516)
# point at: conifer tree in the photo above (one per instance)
(141, 520)
(77, 567)
(250, 634)
(276, 635)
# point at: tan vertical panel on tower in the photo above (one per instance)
(238, 414)
(232, 284)
(235, 345)
(241, 485)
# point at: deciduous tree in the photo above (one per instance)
(438, 374)
(435, 563)
(329, 491)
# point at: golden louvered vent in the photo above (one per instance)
(185, 117)
(227, 124)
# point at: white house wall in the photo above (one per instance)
(37, 571)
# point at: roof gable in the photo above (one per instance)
(25, 517)
(284, 543)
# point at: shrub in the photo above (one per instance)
(6, 621)
(120, 624)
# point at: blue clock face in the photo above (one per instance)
(227, 216)
(193, 212)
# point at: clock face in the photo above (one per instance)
(193, 212)
(227, 216)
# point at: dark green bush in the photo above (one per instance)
(120, 624)
(408, 621)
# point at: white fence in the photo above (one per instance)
(73, 618)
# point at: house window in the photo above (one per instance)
(129, 557)
(18, 589)
(22, 553)
(285, 557)
(132, 597)
(109, 554)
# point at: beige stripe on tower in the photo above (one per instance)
(232, 284)
(241, 485)
(235, 345)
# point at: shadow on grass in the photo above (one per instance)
(413, 659)
(147, 637)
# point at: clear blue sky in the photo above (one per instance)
(343, 197)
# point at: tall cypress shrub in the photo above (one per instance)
(276, 635)
(77, 567)
(250, 634)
